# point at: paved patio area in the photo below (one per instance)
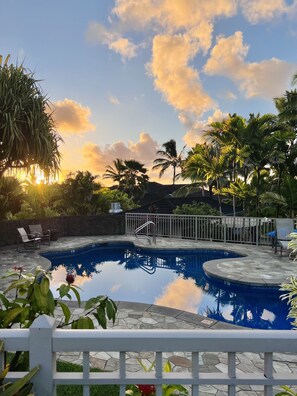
(260, 266)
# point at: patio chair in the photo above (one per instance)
(36, 230)
(284, 227)
(28, 243)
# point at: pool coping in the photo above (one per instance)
(251, 269)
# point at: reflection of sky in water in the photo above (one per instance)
(164, 279)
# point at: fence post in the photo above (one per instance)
(41, 352)
(258, 224)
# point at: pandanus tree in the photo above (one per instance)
(27, 134)
(170, 158)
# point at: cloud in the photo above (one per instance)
(196, 128)
(71, 117)
(113, 100)
(256, 11)
(124, 47)
(267, 79)
(144, 151)
(97, 33)
(171, 15)
(174, 77)
(229, 95)
(181, 294)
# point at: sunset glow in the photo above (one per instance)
(124, 77)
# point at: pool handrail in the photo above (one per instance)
(145, 225)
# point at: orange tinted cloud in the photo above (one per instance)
(174, 77)
(181, 294)
(71, 117)
(144, 151)
(171, 15)
(227, 58)
(196, 128)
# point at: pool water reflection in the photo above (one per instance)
(173, 278)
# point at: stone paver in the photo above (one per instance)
(259, 266)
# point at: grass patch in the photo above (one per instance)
(77, 390)
(70, 390)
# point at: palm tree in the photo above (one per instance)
(135, 179)
(259, 145)
(210, 165)
(27, 132)
(227, 135)
(170, 158)
(194, 170)
(115, 172)
(130, 176)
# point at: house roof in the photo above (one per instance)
(166, 205)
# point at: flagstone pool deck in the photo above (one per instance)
(259, 266)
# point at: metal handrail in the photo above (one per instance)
(142, 226)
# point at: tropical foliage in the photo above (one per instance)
(11, 196)
(251, 163)
(78, 193)
(196, 208)
(130, 175)
(27, 133)
(29, 296)
(290, 295)
(169, 159)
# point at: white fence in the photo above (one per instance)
(44, 341)
(250, 230)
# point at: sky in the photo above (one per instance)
(125, 76)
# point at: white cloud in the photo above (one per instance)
(267, 79)
(124, 47)
(98, 33)
(230, 95)
(71, 117)
(114, 100)
(196, 128)
(256, 11)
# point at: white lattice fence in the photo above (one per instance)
(44, 342)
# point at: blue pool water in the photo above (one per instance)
(173, 278)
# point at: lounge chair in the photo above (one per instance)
(36, 230)
(28, 243)
(284, 227)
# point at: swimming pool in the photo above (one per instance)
(173, 278)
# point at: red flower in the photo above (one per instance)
(70, 277)
(147, 390)
(20, 269)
